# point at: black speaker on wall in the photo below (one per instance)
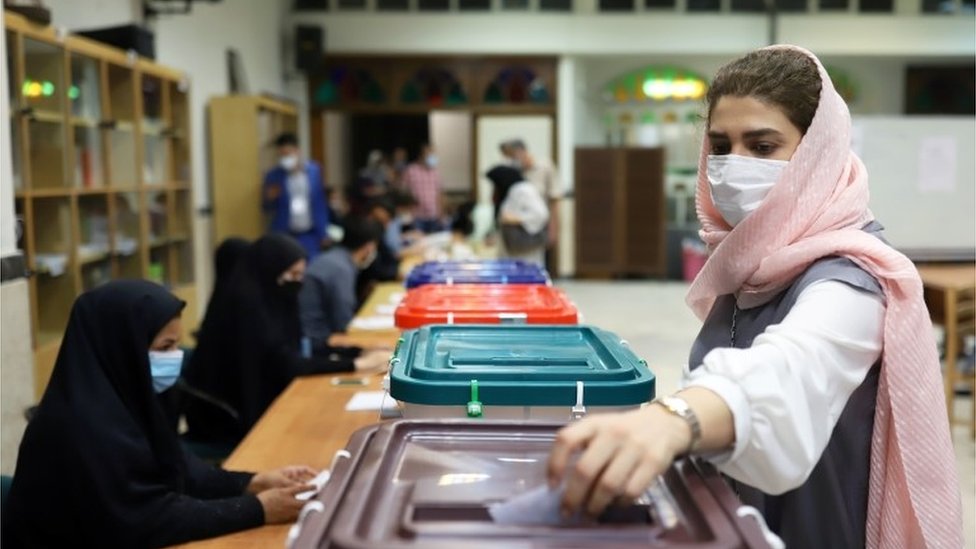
(309, 47)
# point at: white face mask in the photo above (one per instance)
(740, 183)
(431, 160)
(289, 162)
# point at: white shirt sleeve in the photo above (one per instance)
(787, 391)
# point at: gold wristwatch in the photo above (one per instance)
(679, 407)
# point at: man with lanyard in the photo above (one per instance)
(294, 195)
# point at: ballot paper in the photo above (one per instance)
(536, 507)
(365, 401)
(319, 482)
(379, 322)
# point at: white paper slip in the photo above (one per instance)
(378, 322)
(397, 297)
(385, 309)
(365, 401)
(536, 507)
(319, 482)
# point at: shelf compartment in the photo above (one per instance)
(47, 154)
(155, 160)
(43, 85)
(95, 273)
(158, 209)
(159, 265)
(51, 225)
(93, 223)
(183, 255)
(127, 244)
(181, 222)
(153, 114)
(121, 89)
(88, 157)
(122, 158)
(55, 296)
(85, 91)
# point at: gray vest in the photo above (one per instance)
(830, 508)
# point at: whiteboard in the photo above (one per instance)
(922, 215)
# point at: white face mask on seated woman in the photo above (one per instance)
(739, 184)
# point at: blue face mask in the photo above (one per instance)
(165, 368)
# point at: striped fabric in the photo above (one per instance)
(816, 209)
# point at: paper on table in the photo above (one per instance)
(386, 309)
(397, 297)
(378, 322)
(365, 401)
(319, 482)
(536, 507)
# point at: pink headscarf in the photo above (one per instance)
(817, 209)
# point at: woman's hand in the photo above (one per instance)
(372, 362)
(285, 477)
(280, 504)
(621, 455)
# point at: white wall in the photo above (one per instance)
(89, 14)
(450, 134)
(603, 34)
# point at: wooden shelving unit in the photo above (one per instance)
(240, 124)
(100, 145)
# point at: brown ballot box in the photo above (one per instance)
(436, 485)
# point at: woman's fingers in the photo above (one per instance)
(568, 439)
(641, 478)
(613, 481)
(587, 470)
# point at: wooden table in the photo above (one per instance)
(949, 296)
(307, 424)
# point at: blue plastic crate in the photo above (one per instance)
(500, 271)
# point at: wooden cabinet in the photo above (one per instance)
(100, 147)
(242, 133)
(620, 212)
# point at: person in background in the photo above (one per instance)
(815, 382)
(294, 195)
(386, 266)
(423, 181)
(99, 467)
(521, 215)
(328, 295)
(401, 232)
(251, 346)
(398, 165)
(462, 227)
(373, 181)
(542, 173)
(378, 172)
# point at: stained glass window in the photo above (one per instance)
(655, 84)
(435, 87)
(344, 85)
(517, 84)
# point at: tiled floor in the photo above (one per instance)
(652, 316)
